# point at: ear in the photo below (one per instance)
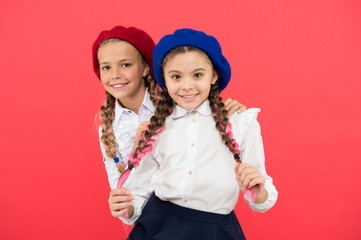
(146, 70)
(215, 77)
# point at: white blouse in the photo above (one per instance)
(190, 165)
(125, 127)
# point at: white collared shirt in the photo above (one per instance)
(125, 125)
(190, 165)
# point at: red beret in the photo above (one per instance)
(138, 38)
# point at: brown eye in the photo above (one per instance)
(175, 77)
(198, 75)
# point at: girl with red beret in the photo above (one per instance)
(122, 60)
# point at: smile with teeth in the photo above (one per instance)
(119, 85)
(188, 96)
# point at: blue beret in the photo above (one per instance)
(190, 37)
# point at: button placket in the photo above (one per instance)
(191, 153)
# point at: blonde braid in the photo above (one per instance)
(153, 88)
(108, 138)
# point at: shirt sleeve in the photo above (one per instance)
(252, 153)
(112, 169)
(141, 185)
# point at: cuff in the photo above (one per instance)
(270, 201)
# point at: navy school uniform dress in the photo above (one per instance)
(163, 220)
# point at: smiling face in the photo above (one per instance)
(188, 78)
(121, 72)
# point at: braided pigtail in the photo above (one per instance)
(225, 128)
(108, 138)
(222, 124)
(153, 88)
(163, 109)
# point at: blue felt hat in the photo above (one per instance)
(190, 37)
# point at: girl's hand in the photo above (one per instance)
(248, 177)
(120, 200)
(232, 105)
(138, 136)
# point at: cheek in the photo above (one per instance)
(172, 88)
(204, 87)
(103, 78)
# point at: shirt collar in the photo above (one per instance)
(120, 110)
(203, 109)
(147, 102)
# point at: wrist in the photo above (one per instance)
(261, 196)
(130, 211)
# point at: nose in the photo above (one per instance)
(187, 84)
(116, 73)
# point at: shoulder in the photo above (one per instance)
(246, 117)
(244, 120)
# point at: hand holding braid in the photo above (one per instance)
(224, 127)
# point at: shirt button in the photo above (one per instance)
(185, 200)
(192, 145)
(194, 120)
(190, 172)
(193, 112)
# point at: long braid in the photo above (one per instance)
(225, 128)
(222, 124)
(107, 116)
(163, 109)
(153, 88)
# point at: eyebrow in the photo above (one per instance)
(123, 60)
(174, 71)
(199, 69)
(195, 70)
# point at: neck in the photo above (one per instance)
(133, 103)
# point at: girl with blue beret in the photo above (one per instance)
(196, 160)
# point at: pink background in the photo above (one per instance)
(300, 61)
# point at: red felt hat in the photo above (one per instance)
(138, 38)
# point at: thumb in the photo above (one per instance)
(236, 167)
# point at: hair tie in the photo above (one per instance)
(131, 166)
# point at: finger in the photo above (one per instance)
(119, 213)
(258, 181)
(227, 101)
(120, 206)
(119, 192)
(230, 104)
(248, 179)
(244, 172)
(233, 109)
(236, 167)
(242, 108)
(120, 199)
(241, 167)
